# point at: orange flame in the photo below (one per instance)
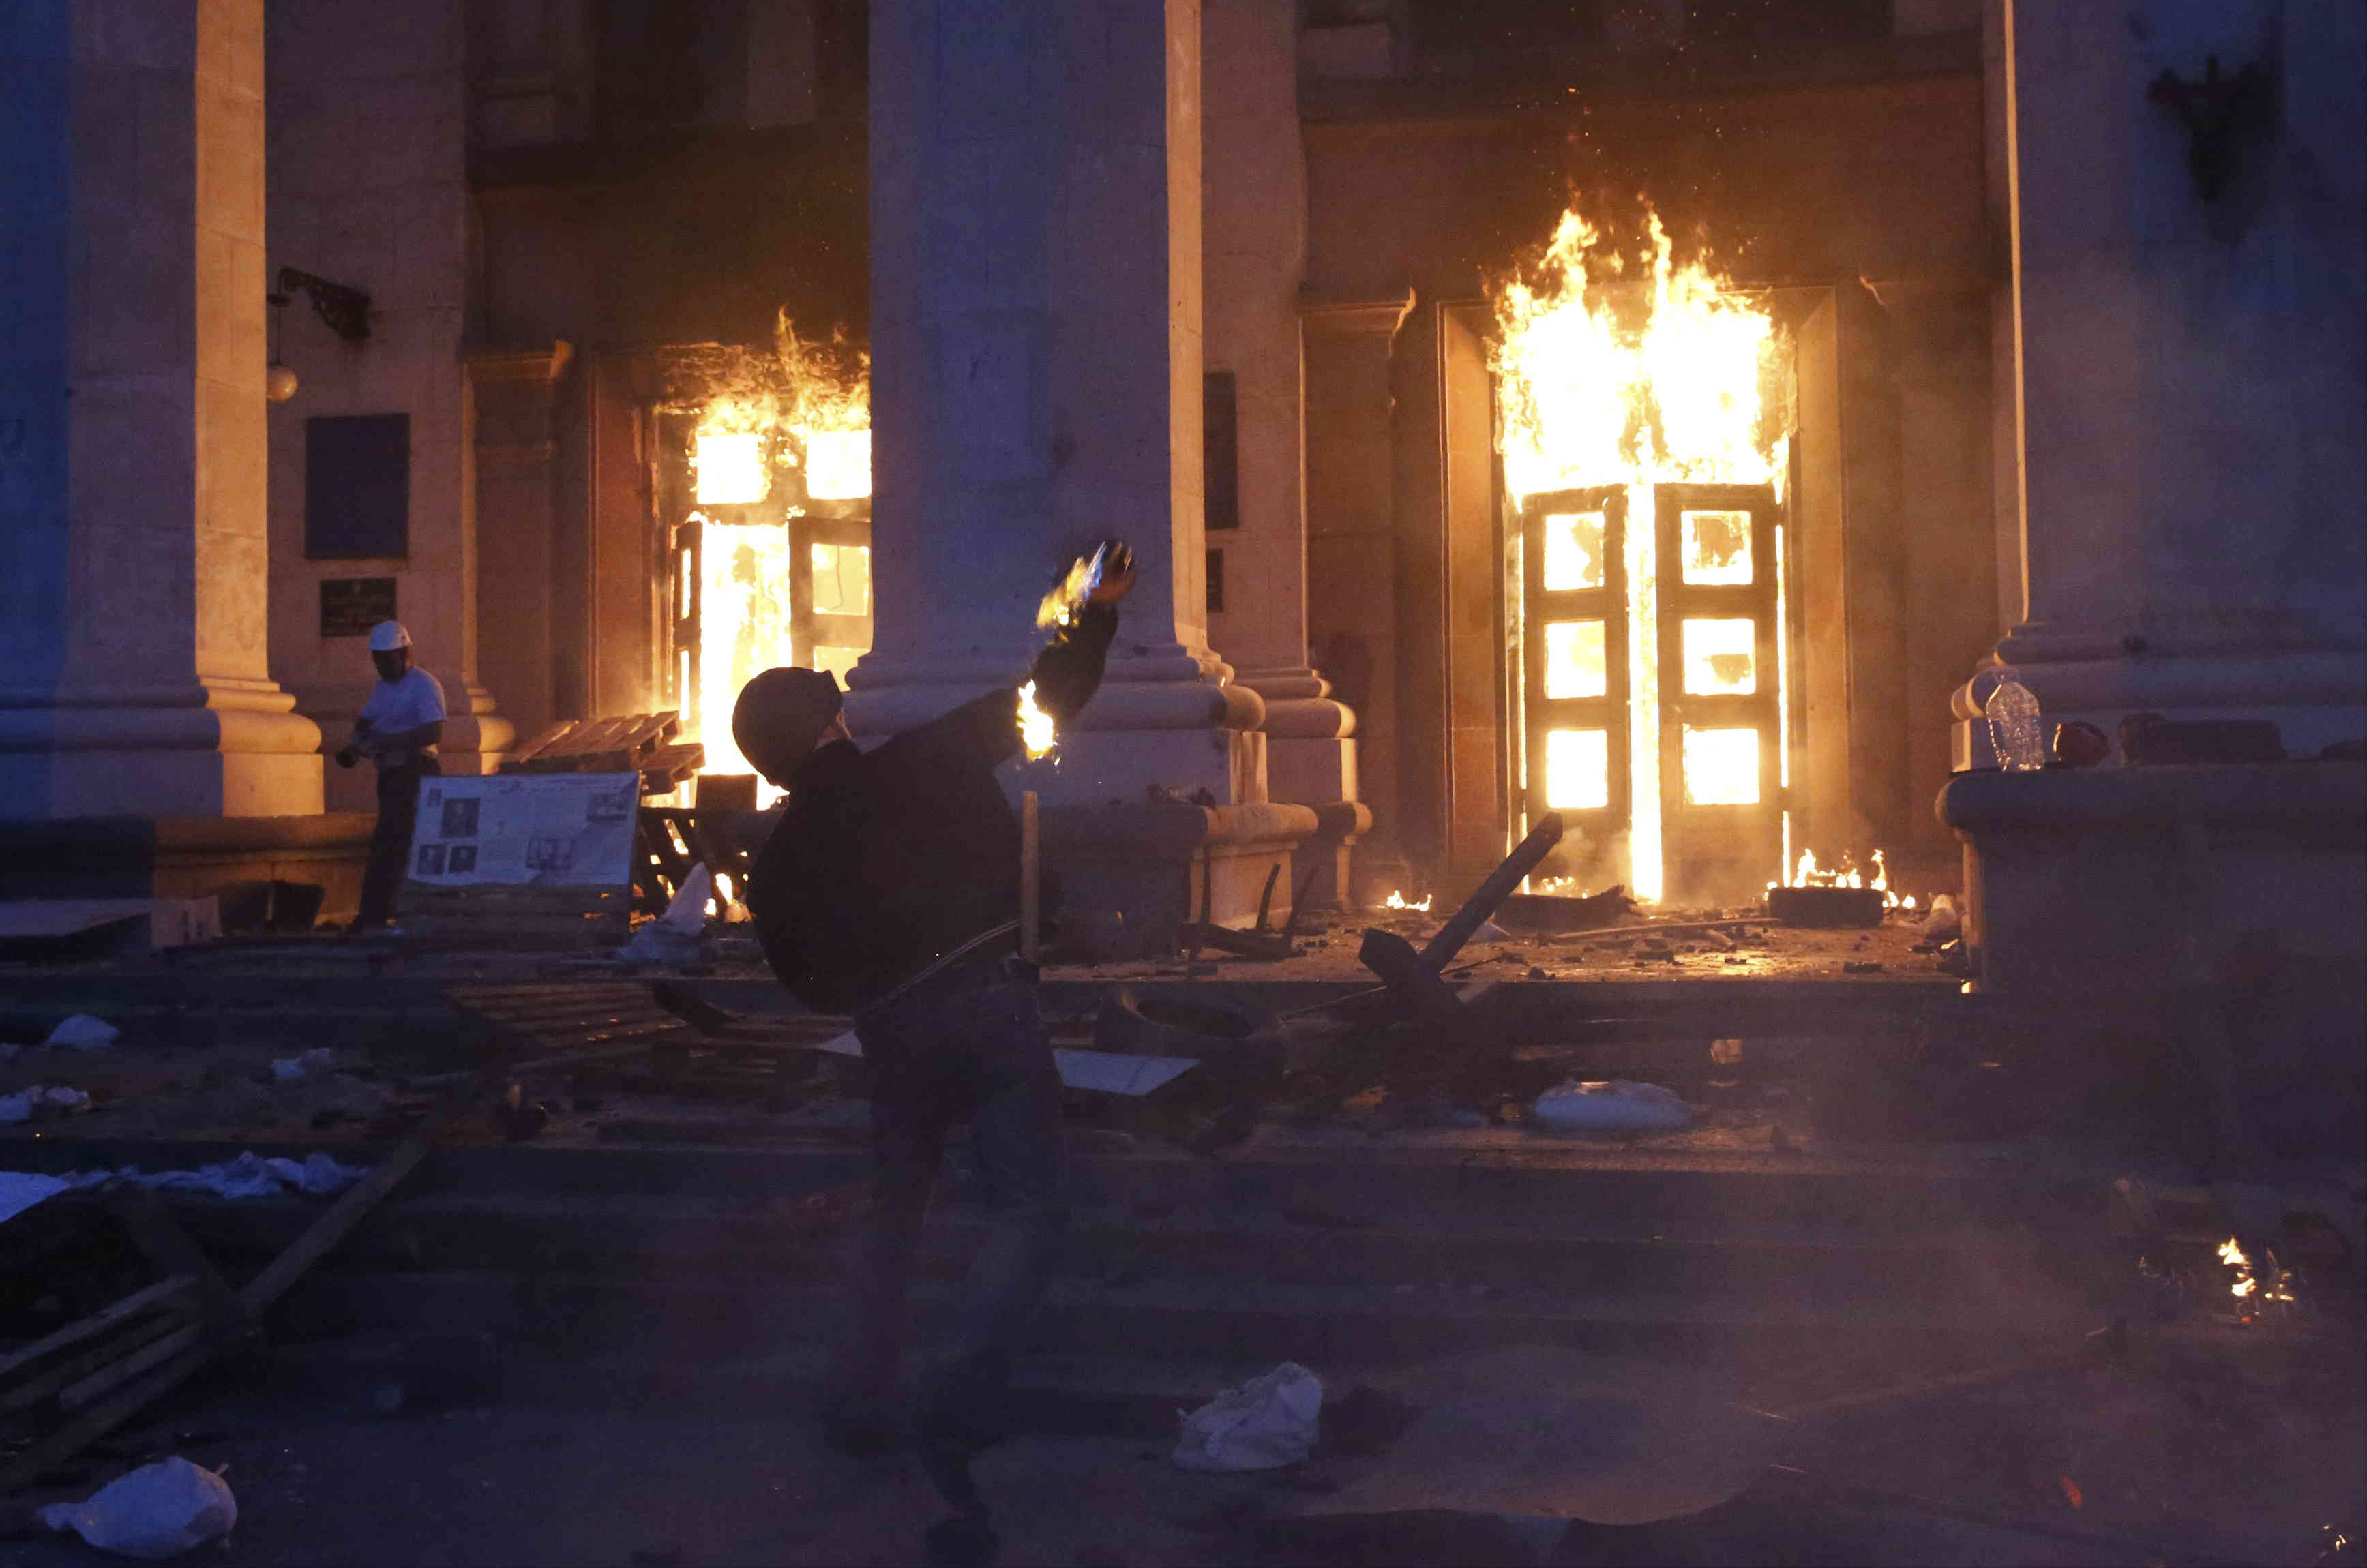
(1605, 381)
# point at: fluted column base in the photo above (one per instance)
(1166, 718)
(223, 746)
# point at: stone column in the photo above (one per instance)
(132, 471)
(2188, 405)
(1254, 247)
(2185, 328)
(1036, 374)
(1352, 553)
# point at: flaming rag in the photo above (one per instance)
(889, 889)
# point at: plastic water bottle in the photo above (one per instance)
(2012, 711)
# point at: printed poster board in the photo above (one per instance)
(526, 830)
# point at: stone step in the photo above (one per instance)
(657, 1240)
(595, 1315)
(1476, 1179)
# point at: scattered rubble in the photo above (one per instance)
(26, 1104)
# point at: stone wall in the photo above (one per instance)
(132, 553)
(369, 186)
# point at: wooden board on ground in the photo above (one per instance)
(517, 919)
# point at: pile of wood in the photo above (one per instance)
(638, 742)
(152, 1311)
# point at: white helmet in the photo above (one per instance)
(387, 636)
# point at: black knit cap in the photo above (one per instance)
(780, 715)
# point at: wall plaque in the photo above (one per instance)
(351, 605)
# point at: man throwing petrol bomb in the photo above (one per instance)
(889, 889)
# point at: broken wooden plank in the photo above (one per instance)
(1265, 946)
(39, 1389)
(348, 1211)
(106, 1319)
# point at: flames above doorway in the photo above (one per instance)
(1630, 385)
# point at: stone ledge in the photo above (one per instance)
(2305, 791)
(180, 856)
(1167, 828)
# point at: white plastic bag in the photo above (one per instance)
(83, 1032)
(1945, 923)
(293, 1069)
(158, 1510)
(673, 937)
(1619, 1105)
(1268, 1422)
(21, 1105)
(686, 911)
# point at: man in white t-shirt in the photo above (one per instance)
(397, 731)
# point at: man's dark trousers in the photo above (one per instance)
(968, 1042)
(390, 845)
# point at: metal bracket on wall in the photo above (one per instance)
(2219, 113)
(344, 311)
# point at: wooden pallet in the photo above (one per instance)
(669, 767)
(70, 1385)
(625, 743)
(671, 841)
(649, 1037)
(517, 919)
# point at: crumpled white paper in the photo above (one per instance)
(1268, 1422)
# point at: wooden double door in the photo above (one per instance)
(1650, 683)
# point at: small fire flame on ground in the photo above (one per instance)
(1398, 901)
(1844, 872)
(2257, 1292)
(1620, 367)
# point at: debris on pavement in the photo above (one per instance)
(82, 1031)
(1268, 1422)
(1945, 923)
(1553, 1432)
(1618, 1105)
(27, 1103)
(318, 1175)
(20, 1190)
(678, 935)
(156, 1511)
(296, 1068)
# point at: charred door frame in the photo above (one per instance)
(1700, 836)
(1608, 604)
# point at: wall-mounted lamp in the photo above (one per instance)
(279, 380)
(344, 311)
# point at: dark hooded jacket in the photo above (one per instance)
(885, 861)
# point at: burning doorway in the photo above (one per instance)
(764, 492)
(1642, 420)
